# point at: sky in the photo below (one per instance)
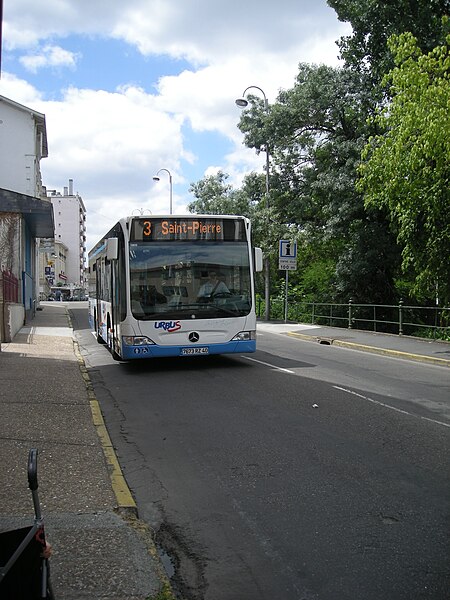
(129, 88)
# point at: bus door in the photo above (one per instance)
(115, 281)
(115, 303)
(99, 293)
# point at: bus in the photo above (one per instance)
(167, 286)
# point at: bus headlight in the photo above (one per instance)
(244, 336)
(136, 340)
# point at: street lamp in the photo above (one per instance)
(243, 103)
(157, 178)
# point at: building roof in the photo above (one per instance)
(38, 214)
(38, 117)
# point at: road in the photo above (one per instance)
(300, 472)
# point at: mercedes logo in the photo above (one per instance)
(194, 337)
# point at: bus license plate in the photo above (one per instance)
(191, 351)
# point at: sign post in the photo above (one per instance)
(287, 261)
(286, 287)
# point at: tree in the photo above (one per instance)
(374, 21)
(213, 195)
(407, 168)
(316, 132)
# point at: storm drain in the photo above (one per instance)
(325, 341)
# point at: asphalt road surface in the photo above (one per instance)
(300, 472)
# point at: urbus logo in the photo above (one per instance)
(168, 325)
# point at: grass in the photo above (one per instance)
(165, 593)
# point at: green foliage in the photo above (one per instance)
(369, 262)
(434, 334)
(374, 21)
(316, 281)
(165, 593)
(407, 168)
(317, 131)
(215, 196)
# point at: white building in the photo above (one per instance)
(69, 214)
(23, 143)
(25, 212)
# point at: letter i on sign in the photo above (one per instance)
(288, 249)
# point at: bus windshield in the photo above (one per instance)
(201, 279)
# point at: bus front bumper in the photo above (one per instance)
(130, 352)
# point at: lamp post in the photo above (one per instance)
(242, 103)
(157, 178)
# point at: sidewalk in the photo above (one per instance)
(409, 348)
(100, 548)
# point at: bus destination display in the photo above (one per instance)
(170, 229)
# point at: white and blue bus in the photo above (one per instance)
(164, 286)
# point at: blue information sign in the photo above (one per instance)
(288, 249)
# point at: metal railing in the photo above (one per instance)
(424, 321)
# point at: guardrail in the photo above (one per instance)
(423, 321)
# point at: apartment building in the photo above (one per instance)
(69, 214)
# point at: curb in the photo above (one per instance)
(443, 362)
(146, 533)
(124, 498)
(126, 505)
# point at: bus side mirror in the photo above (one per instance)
(112, 248)
(258, 259)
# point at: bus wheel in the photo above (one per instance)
(115, 355)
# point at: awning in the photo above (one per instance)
(38, 214)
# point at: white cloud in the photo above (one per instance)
(112, 142)
(19, 90)
(49, 56)
(200, 30)
(27, 22)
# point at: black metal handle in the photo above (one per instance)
(32, 469)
